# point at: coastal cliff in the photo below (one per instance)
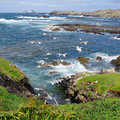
(17, 104)
(14, 80)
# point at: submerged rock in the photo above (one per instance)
(83, 60)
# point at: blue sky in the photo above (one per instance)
(49, 5)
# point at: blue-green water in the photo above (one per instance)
(27, 41)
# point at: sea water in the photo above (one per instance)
(27, 41)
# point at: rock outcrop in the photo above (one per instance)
(83, 60)
(54, 63)
(14, 80)
(68, 84)
(116, 63)
(99, 58)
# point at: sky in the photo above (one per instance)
(50, 5)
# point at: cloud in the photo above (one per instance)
(49, 5)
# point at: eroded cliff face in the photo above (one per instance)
(14, 80)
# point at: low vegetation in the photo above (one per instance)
(12, 72)
(15, 107)
(104, 82)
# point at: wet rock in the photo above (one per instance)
(56, 29)
(116, 63)
(89, 28)
(54, 63)
(68, 84)
(104, 71)
(118, 36)
(53, 73)
(46, 97)
(83, 60)
(99, 58)
(70, 29)
(45, 65)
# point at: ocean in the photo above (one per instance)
(27, 41)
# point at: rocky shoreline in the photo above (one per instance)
(87, 92)
(107, 13)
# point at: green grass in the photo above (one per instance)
(104, 82)
(10, 102)
(13, 107)
(96, 110)
(7, 68)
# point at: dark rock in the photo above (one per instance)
(118, 36)
(22, 87)
(116, 63)
(99, 58)
(54, 63)
(56, 29)
(46, 97)
(83, 60)
(68, 84)
(53, 73)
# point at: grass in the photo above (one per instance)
(96, 110)
(13, 107)
(7, 68)
(105, 82)
(10, 102)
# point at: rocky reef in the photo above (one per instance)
(89, 28)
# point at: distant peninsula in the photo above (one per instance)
(108, 13)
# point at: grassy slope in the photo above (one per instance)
(9, 102)
(97, 110)
(104, 82)
(13, 106)
(7, 68)
(19, 108)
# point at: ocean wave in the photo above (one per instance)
(104, 56)
(60, 54)
(41, 17)
(116, 38)
(8, 21)
(71, 69)
(34, 42)
(27, 17)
